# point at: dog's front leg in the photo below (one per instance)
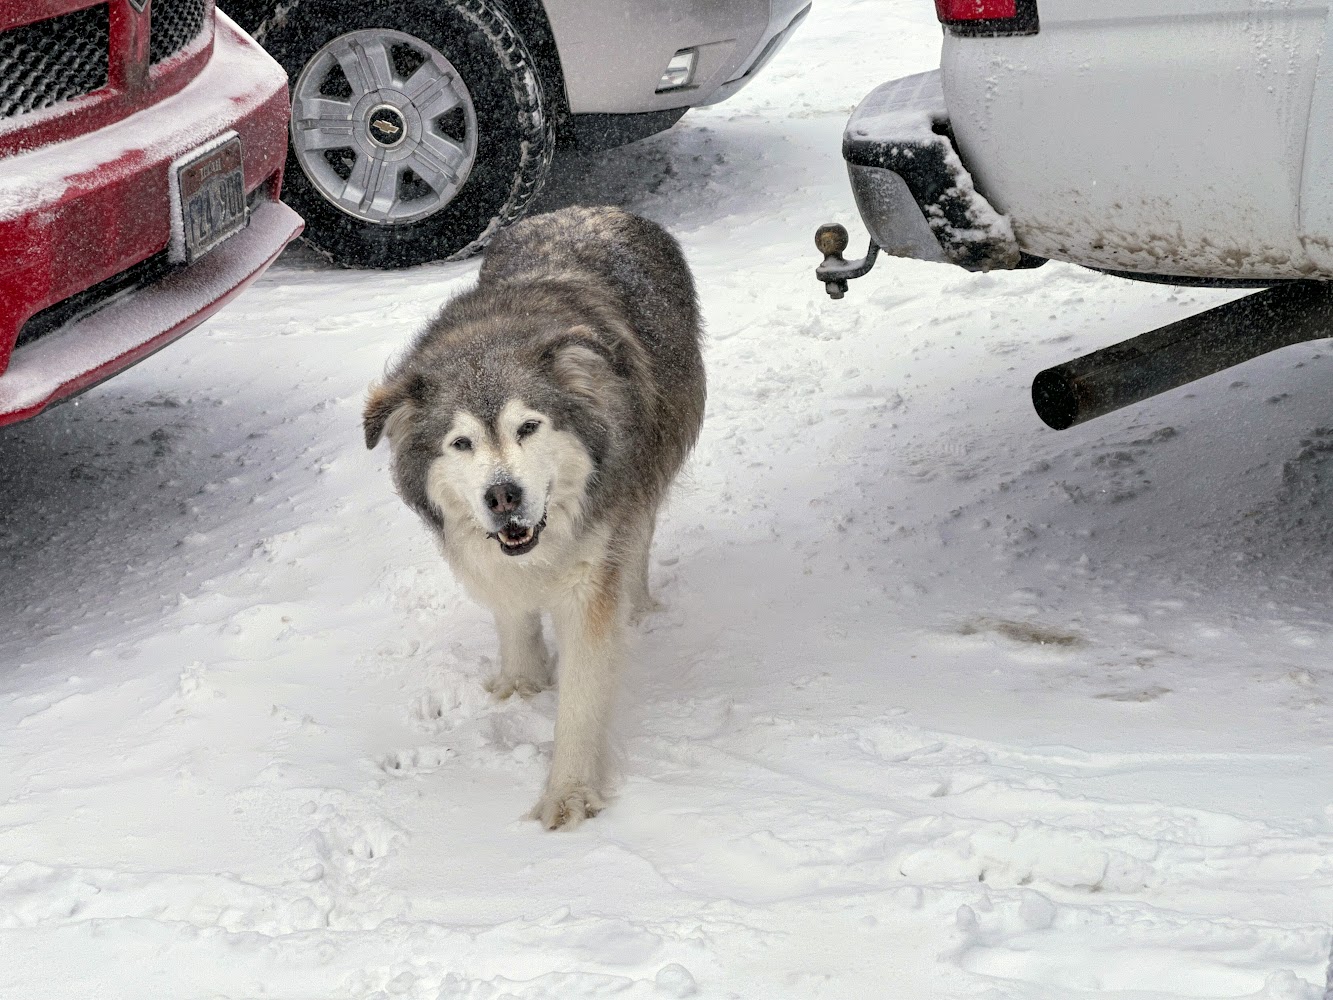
(590, 634)
(525, 666)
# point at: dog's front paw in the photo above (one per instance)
(501, 687)
(643, 607)
(565, 808)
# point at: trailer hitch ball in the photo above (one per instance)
(831, 240)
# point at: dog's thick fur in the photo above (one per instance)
(536, 426)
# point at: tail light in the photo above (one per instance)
(988, 17)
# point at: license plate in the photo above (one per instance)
(212, 198)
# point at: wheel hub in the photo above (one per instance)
(384, 126)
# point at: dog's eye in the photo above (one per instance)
(461, 444)
(528, 429)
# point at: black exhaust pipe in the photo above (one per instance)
(1172, 355)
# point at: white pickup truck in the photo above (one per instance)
(1186, 141)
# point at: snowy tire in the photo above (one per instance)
(418, 129)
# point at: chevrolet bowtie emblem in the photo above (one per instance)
(139, 5)
(386, 129)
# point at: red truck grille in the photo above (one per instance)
(87, 64)
(175, 24)
(52, 61)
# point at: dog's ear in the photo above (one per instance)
(388, 401)
(579, 362)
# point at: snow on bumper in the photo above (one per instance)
(85, 352)
(912, 190)
(82, 211)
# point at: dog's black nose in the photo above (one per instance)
(504, 498)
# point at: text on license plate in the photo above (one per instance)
(212, 193)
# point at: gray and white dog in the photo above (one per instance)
(536, 426)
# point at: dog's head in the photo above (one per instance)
(499, 438)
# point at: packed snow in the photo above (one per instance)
(944, 704)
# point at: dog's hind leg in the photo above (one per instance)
(641, 599)
(525, 665)
(590, 635)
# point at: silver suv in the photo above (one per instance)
(419, 127)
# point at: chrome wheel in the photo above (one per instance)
(383, 126)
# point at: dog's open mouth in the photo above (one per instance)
(515, 538)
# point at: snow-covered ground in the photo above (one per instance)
(944, 704)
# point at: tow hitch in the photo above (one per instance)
(1293, 312)
(831, 239)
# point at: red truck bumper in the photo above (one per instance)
(86, 351)
(86, 224)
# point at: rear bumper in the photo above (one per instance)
(76, 213)
(86, 351)
(914, 194)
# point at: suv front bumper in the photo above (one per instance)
(613, 54)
